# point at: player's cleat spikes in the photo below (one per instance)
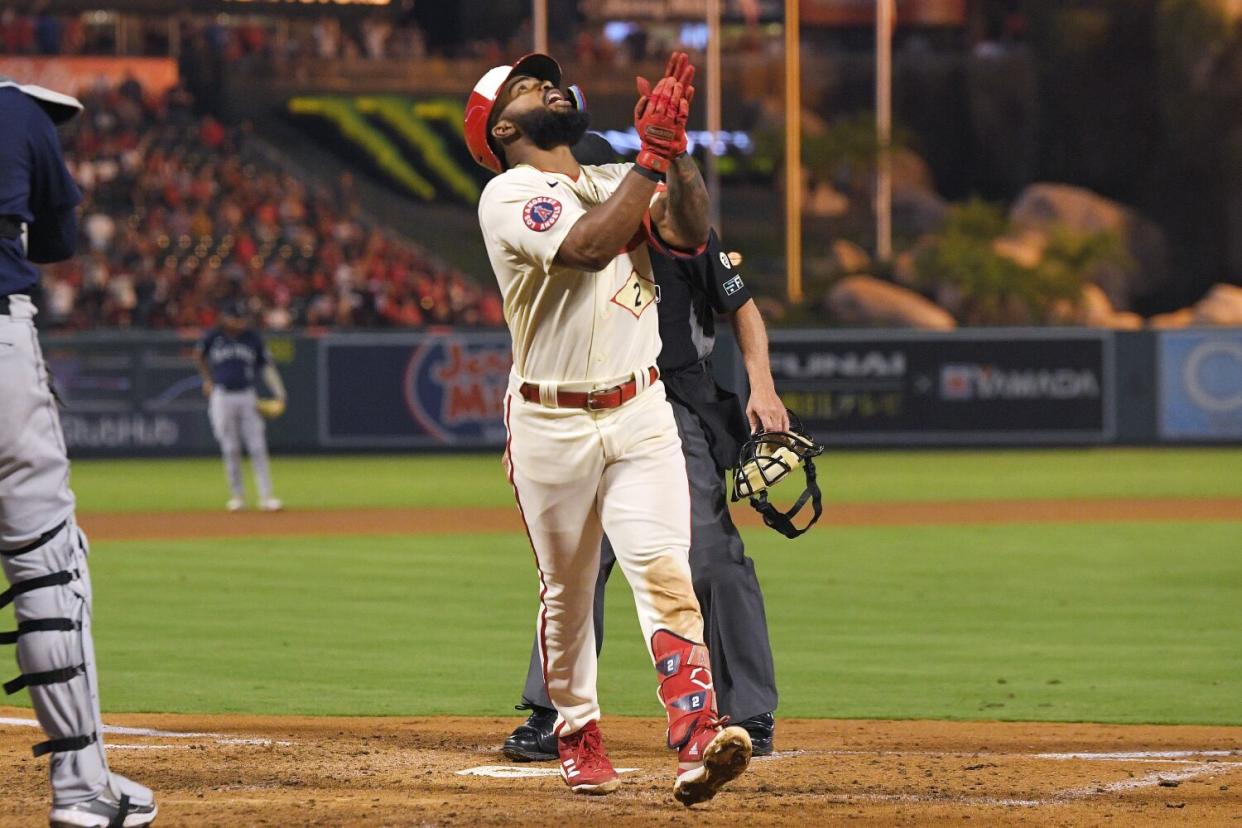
(235, 504)
(271, 504)
(104, 811)
(534, 740)
(709, 760)
(762, 730)
(584, 762)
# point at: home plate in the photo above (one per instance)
(511, 772)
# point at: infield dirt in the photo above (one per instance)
(245, 770)
(278, 771)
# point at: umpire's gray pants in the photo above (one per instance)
(734, 621)
(44, 556)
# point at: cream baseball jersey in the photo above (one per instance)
(568, 325)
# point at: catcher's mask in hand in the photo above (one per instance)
(766, 459)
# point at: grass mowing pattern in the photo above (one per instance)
(477, 480)
(1109, 623)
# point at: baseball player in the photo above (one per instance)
(592, 441)
(710, 422)
(43, 551)
(229, 358)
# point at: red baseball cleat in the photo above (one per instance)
(711, 758)
(584, 762)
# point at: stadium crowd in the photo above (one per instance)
(182, 212)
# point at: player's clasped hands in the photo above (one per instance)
(662, 113)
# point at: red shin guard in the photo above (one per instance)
(685, 684)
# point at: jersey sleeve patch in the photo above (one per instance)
(541, 212)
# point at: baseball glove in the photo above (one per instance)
(271, 408)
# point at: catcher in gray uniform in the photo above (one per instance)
(43, 551)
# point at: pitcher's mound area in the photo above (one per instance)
(241, 770)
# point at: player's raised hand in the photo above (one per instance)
(655, 120)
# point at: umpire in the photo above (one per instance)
(692, 290)
(41, 547)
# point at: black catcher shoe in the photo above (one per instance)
(762, 730)
(533, 740)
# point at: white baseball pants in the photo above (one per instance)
(577, 474)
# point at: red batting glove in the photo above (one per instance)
(656, 125)
(661, 114)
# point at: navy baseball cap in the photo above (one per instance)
(235, 308)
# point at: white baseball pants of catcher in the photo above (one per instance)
(235, 420)
(577, 474)
(44, 555)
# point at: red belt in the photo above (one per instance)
(598, 400)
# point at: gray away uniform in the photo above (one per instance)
(234, 363)
(42, 549)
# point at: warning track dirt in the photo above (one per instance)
(149, 525)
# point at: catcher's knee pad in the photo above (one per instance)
(685, 683)
(49, 587)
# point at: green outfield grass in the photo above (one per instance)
(1103, 622)
(1100, 623)
(377, 481)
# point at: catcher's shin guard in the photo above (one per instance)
(685, 684)
(50, 590)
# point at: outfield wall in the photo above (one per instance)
(139, 394)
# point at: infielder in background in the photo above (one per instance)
(593, 443)
(692, 290)
(230, 357)
(43, 550)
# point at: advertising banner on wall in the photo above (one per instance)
(1201, 385)
(969, 387)
(140, 394)
(416, 390)
(72, 74)
(129, 396)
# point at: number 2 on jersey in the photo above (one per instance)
(637, 294)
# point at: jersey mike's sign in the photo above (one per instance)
(455, 389)
(414, 390)
(1016, 387)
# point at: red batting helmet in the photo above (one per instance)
(483, 99)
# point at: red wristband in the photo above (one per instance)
(649, 160)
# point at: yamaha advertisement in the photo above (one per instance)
(996, 387)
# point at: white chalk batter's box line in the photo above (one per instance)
(218, 738)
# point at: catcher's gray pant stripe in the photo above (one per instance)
(235, 421)
(49, 581)
(734, 621)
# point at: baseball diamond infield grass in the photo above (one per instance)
(1106, 622)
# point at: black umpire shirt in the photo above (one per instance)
(692, 290)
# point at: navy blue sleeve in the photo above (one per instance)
(14, 155)
(204, 344)
(724, 284)
(53, 231)
(261, 357)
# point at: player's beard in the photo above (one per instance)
(547, 128)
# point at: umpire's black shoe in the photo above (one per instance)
(534, 739)
(762, 730)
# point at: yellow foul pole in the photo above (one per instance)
(793, 154)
